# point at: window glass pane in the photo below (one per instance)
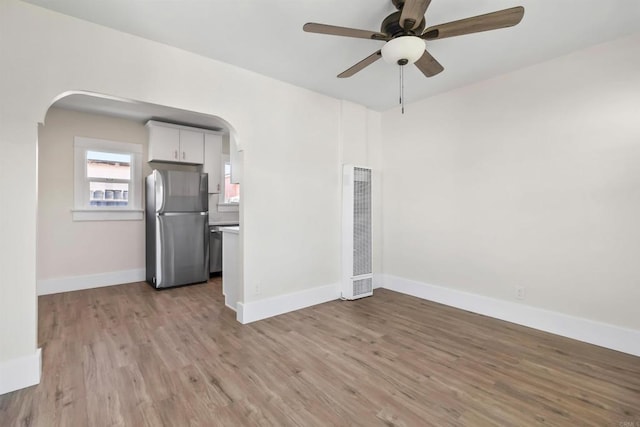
(231, 191)
(108, 165)
(108, 194)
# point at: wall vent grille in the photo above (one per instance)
(362, 222)
(357, 281)
(362, 286)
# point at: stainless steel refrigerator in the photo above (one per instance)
(177, 228)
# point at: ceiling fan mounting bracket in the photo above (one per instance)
(398, 4)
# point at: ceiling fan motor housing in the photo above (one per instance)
(391, 26)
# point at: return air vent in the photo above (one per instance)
(356, 233)
(362, 287)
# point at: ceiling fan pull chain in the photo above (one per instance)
(400, 85)
(402, 88)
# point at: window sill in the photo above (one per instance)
(228, 207)
(107, 215)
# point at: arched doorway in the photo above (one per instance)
(76, 255)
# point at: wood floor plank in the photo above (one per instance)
(129, 355)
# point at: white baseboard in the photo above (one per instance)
(21, 372)
(257, 310)
(378, 281)
(589, 331)
(76, 283)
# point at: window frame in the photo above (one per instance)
(83, 210)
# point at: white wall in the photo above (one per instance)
(289, 137)
(66, 248)
(530, 179)
(361, 145)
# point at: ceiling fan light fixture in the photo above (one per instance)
(403, 50)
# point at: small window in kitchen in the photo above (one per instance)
(229, 197)
(108, 181)
(231, 191)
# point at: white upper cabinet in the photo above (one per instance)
(164, 143)
(192, 146)
(213, 161)
(176, 144)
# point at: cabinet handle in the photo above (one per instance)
(175, 154)
(218, 187)
(183, 155)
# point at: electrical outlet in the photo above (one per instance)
(521, 292)
(256, 289)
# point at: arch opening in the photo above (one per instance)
(70, 252)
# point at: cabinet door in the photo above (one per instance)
(191, 147)
(164, 144)
(213, 161)
(231, 272)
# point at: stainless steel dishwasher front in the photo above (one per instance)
(215, 250)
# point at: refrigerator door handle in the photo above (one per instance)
(159, 184)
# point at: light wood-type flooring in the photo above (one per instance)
(132, 356)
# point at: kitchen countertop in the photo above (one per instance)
(234, 230)
(223, 223)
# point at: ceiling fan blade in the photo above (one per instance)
(412, 13)
(360, 65)
(312, 27)
(490, 21)
(428, 65)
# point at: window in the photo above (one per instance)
(230, 194)
(231, 191)
(109, 176)
(108, 181)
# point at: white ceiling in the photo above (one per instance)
(266, 36)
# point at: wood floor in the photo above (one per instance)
(131, 356)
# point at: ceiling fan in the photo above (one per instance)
(404, 33)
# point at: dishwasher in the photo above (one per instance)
(215, 248)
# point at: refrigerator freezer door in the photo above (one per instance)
(178, 191)
(182, 249)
